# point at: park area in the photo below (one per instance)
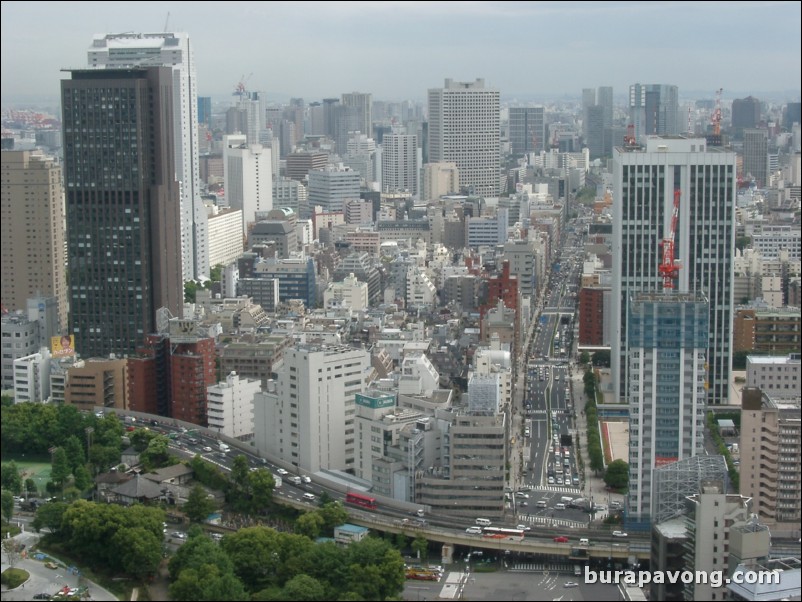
(38, 471)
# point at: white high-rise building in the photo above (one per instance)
(646, 178)
(400, 169)
(306, 418)
(464, 128)
(173, 50)
(248, 177)
(230, 405)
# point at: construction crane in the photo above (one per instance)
(669, 267)
(629, 139)
(716, 118)
(239, 89)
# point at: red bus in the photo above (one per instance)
(361, 499)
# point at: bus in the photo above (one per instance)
(361, 499)
(503, 534)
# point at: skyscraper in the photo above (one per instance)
(363, 102)
(756, 155)
(400, 163)
(33, 231)
(173, 50)
(654, 109)
(248, 177)
(527, 130)
(123, 205)
(645, 180)
(667, 342)
(464, 129)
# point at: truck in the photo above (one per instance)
(277, 481)
(294, 480)
(224, 447)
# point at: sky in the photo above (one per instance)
(398, 50)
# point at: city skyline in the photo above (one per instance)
(330, 48)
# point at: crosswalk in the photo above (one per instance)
(573, 490)
(536, 567)
(555, 522)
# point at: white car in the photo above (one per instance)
(523, 528)
(570, 584)
(179, 535)
(282, 472)
(619, 534)
(207, 449)
(306, 479)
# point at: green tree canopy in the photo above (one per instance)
(198, 505)
(304, 587)
(309, 524)
(139, 550)
(209, 582)
(11, 478)
(7, 505)
(617, 474)
(49, 515)
(61, 469)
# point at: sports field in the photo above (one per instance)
(38, 471)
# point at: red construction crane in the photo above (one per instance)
(669, 268)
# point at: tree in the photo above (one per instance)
(584, 358)
(49, 515)
(198, 505)
(304, 587)
(75, 452)
(216, 273)
(190, 291)
(261, 484)
(309, 524)
(333, 515)
(60, 470)
(617, 475)
(157, 453)
(12, 549)
(10, 478)
(30, 486)
(256, 555)
(197, 552)
(208, 582)
(7, 505)
(601, 358)
(420, 545)
(375, 569)
(83, 480)
(139, 550)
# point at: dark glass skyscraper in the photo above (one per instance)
(123, 206)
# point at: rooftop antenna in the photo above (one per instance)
(167, 22)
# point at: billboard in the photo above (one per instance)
(63, 346)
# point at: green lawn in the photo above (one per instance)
(38, 471)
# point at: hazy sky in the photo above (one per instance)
(397, 50)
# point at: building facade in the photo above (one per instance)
(400, 170)
(172, 50)
(230, 406)
(248, 178)
(32, 231)
(123, 206)
(646, 178)
(667, 344)
(464, 128)
(527, 130)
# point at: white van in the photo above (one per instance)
(584, 542)
(541, 504)
(483, 522)
(309, 497)
(567, 500)
(559, 506)
(474, 530)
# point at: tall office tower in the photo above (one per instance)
(33, 231)
(756, 155)
(745, 113)
(248, 177)
(770, 458)
(791, 115)
(205, 111)
(604, 98)
(667, 336)
(588, 100)
(123, 205)
(173, 50)
(654, 109)
(645, 180)
(363, 103)
(306, 418)
(400, 169)
(464, 129)
(527, 130)
(594, 131)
